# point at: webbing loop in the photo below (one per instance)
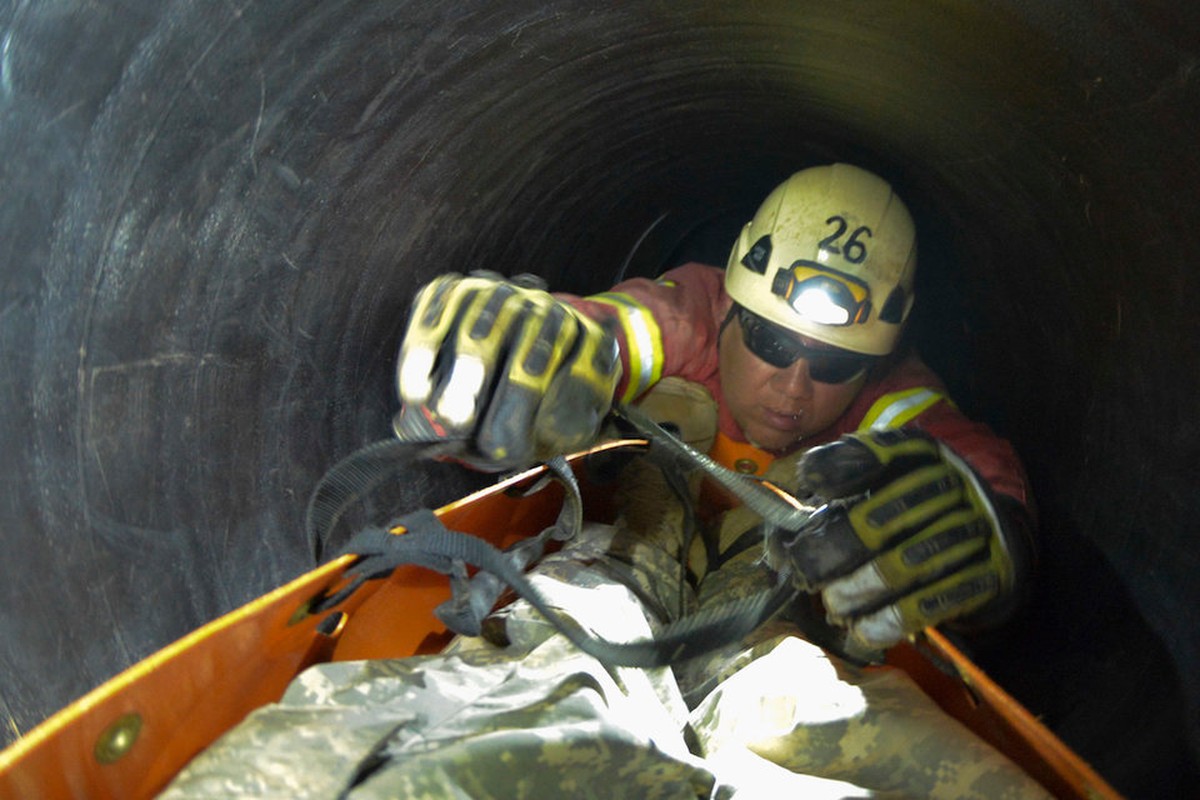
(428, 543)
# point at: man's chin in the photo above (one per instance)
(775, 441)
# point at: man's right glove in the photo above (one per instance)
(909, 537)
(500, 362)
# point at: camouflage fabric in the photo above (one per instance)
(540, 719)
(478, 723)
(523, 714)
(789, 704)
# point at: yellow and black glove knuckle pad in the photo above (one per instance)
(507, 362)
(451, 350)
(959, 593)
(556, 374)
(953, 539)
(548, 332)
(848, 532)
(429, 335)
(581, 392)
(858, 462)
(906, 540)
(904, 506)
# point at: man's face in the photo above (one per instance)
(777, 407)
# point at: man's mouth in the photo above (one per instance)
(783, 420)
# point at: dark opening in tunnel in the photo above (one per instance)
(216, 214)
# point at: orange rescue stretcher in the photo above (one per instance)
(129, 737)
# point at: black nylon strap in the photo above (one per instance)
(428, 543)
(354, 478)
(473, 598)
(776, 508)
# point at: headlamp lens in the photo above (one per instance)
(824, 296)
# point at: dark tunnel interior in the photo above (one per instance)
(215, 215)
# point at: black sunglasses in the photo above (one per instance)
(779, 349)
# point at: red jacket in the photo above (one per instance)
(670, 327)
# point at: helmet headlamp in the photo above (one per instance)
(830, 254)
(822, 295)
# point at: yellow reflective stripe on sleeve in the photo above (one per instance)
(643, 338)
(897, 409)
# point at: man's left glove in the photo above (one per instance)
(501, 364)
(909, 537)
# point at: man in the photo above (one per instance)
(792, 347)
(797, 344)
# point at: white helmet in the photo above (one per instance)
(830, 254)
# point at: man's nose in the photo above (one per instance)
(794, 381)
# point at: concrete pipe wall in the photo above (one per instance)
(215, 214)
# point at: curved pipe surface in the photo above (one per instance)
(215, 217)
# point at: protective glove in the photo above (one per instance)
(500, 362)
(909, 537)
